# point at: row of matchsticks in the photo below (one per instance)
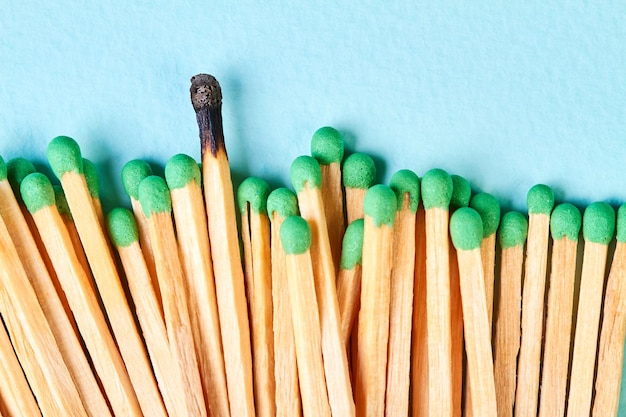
(348, 298)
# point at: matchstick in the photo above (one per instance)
(461, 194)
(540, 201)
(91, 178)
(359, 174)
(206, 98)
(39, 197)
(306, 178)
(252, 197)
(380, 206)
(349, 277)
(611, 347)
(436, 195)
(65, 160)
(183, 178)
(466, 230)
(327, 149)
(156, 203)
(511, 238)
(598, 231)
(406, 186)
(565, 227)
(282, 203)
(296, 236)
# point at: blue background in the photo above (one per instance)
(507, 94)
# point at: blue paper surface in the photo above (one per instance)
(506, 94)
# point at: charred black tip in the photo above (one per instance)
(205, 92)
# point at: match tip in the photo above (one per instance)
(132, 174)
(621, 223)
(540, 199)
(64, 156)
(513, 230)
(181, 170)
(352, 245)
(17, 170)
(305, 170)
(489, 210)
(122, 227)
(466, 229)
(565, 222)
(461, 192)
(295, 235)
(205, 92)
(154, 196)
(405, 182)
(380, 204)
(253, 191)
(436, 189)
(3, 169)
(327, 146)
(91, 178)
(359, 171)
(37, 192)
(599, 223)
(61, 202)
(282, 201)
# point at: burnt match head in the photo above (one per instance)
(205, 91)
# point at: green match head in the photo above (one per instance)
(64, 156)
(466, 229)
(132, 174)
(359, 171)
(295, 235)
(282, 201)
(180, 170)
(406, 182)
(621, 223)
(122, 227)
(17, 170)
(91, 178)
(154, 196)
(436, 189)
(513, 230)
(461, 192)
(327, 146)
(305, 170)
(489, 209)
(352, 245)
(37, 192)
(61, 202)
(253, 191)
(3, 169)
(540, 199)
(380, 204)
(599, 223)
(565, 222)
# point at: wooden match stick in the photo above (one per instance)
(252, 197)
(39, 197)
(611, 347)
(461, 194)
(295, 236)
(65, 160)
(349, 277)
(436, 195)
(598, 231)
(359, 174)
(540, 201)
(466, 230)
(565, 227)
(156, 203)
(91, 178)
(282, 203)
(511, 238)
(327, 149)
(206, 98)
(183, 178)
(306, 178)
(406, 186)
(380, 206)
